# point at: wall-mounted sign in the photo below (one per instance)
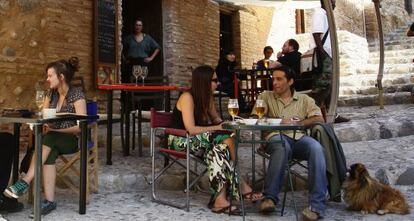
(106, 41)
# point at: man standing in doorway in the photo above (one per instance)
(323, 83)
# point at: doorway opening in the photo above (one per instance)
(150, 11)
(226, 33)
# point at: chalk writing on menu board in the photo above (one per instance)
(106, 31)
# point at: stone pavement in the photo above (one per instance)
(125, 194)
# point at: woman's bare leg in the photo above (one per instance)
(230, 143)
(49, 181)
(30, 173)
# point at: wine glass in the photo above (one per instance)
(136, 71)
(40, 98)
(233, 108)
(144, 73)
(260, 108)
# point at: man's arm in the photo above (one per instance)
(319, 46)
(312, 120)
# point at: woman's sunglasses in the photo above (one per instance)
(215, 80)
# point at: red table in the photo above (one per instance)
(125, 87)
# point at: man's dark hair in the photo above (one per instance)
(292, 42)
(289, 74)
(267, 48)
(412, 27)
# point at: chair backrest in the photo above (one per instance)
(160, 119)
(160, 96)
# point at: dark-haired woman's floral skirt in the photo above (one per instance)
(216, 155)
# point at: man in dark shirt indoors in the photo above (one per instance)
(289, 56)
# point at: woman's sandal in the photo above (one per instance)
(253, 196)
(233, 210)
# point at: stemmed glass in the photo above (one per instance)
(40, 98)
(233, 108)
(144, 73)
(260, 108)
(136, 71)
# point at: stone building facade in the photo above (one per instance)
(36, 32)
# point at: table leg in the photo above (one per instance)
(38, 170)
(236, 173)
(16, 133)
(83, 166)
(127, 123)
(109, 128)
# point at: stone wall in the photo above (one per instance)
(349, 43)
(191, 37)
(34, 33)
(393, 15)
(255, 24)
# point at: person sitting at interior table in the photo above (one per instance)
(267, 52)
(283, 102)
(195, 112)
(289, 56)
(59, 137)
(225, 74)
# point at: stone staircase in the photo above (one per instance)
(357, 87)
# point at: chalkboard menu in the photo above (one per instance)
(105, 41)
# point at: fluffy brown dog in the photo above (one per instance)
(365, 194)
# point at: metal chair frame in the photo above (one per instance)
(175, 157)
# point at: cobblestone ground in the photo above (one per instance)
(394, 154)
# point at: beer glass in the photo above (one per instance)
(233, 108)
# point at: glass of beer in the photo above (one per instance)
(266, 64)
(40, 98)
(233, 108)
(260, 108)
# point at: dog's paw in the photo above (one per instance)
(382, 212)
(364, 212)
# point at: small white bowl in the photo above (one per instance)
(274, 121)
(49, 112)
(250, 121)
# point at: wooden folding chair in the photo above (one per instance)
(70, 161)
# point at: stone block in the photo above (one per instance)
(383, 176)
(406, 178)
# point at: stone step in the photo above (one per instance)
(391, 47)
(392, 60)
(394, 53)
(388, 69)
(372, 123)
(371, 90)
(371, 79)
(394, 41)
(372, 100)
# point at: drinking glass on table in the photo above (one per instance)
(144, 73)
(266, 63)
(40, 99)
(136, 71)
(233, 108)
(260, 108)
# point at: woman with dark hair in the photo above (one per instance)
(59, 137)
(195, 112)
(138, 49)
